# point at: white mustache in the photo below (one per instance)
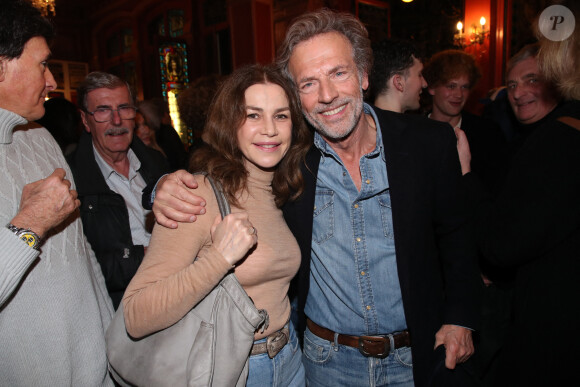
(116, 131)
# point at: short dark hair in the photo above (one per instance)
(19, 23)
(99, 80)
(449, 64)
(312, 24)
(392, 57)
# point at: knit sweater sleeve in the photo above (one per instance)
(180, 268)
(15, 259)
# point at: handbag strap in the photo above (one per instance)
(222, 201)
(230, 281)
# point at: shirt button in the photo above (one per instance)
(368, 307)
(362, 273)
(344, 174)
(314, 208)
(358, 239)
(356, 206)
(367, 181)
(90, 206)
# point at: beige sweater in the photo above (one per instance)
(169, 283)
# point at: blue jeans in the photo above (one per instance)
(328, 364)
(284, 370)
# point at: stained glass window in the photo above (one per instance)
(176, 21)
(174, 78)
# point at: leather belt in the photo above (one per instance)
(369, 346)
(273, 344)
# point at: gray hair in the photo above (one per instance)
(99, 80)
(322, 21)
(528, 51)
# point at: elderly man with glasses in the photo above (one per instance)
(111, 167)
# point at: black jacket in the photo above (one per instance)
(435, 250)
(489, 150)
(534, 226)
(105, 216)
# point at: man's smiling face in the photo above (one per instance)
(329, 84)
(528, 93)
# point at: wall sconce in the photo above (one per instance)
(479, 34)
(459, 37)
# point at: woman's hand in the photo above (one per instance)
(233, 236)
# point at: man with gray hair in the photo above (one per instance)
(111, 168)
(388, 267)
(531, 97)
(54, 307)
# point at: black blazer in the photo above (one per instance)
(434, 247)
(489, 150)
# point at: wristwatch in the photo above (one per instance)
(30, 237)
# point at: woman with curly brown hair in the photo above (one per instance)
(256, 139)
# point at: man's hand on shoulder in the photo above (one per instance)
(458, 344)
(46, 203)
(175, 202)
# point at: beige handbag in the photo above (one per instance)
(209, 346)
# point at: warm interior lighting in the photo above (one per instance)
(407, 1)
(477, 36)
(458, 38)
(46, 7)
(174, 112)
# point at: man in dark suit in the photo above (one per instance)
(388, 269)
(385, 250)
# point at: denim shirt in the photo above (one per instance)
(354, 284)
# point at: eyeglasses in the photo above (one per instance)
(106, 114)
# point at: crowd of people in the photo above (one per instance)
(388, 248)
